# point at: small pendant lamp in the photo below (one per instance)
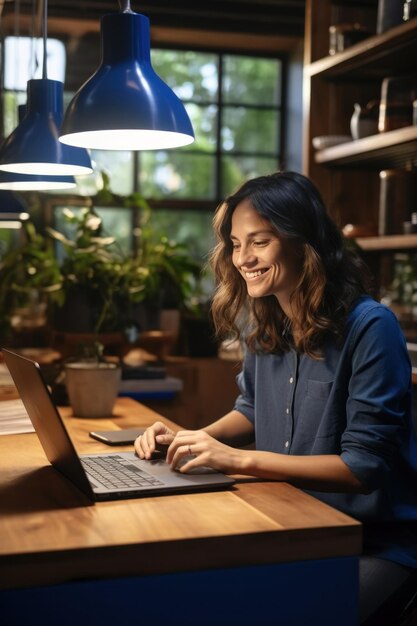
(34, 147)
(124, 105)
(12, 207)
(28, 182)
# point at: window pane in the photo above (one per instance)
(9, 239)
(236, 170)
(20, 55)
(250, 130)
(249, 80)
(193, 228)
(117, 222)
(177, 175)
(11, 101)
(118, 165)
(204, 121)
(192, 75)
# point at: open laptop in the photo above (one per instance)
(123, 474)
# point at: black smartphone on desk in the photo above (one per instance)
(120, 437)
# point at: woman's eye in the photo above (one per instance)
(260, 243)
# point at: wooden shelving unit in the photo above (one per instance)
(374, 57)
(394, 149)
(388, 242)
(347, 174)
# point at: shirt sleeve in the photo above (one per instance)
(245, 402)
(378, 402)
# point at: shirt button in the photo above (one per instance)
(287, 443)
(287, 411)
(291, 379)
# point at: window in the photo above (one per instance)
(22, 62)
(235, 102)
(235, 105)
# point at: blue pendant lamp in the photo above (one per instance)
(125, 105)
(12, 211)
(34, 146)
(28, 182)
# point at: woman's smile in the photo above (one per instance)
(255, 273)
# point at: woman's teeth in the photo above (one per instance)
(254, 274)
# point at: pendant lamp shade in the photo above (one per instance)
(28, 182)
(13, 211)
(125, 105)
(34, 146)
(12, 207)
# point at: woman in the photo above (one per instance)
(325, 389)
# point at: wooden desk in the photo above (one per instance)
(50, 534)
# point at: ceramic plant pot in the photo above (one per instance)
(92, 387)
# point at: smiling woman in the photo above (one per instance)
(325, 387)
(304, 254)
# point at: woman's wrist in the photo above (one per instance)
(244, 461)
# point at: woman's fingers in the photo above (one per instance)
(181, 453)
(192, 449)
(182, 438)
(188, 443)
(146, 444)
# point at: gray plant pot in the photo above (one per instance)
(92, 387)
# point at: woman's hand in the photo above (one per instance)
(203, 450)
(156, 435)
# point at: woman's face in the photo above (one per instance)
(269, 264)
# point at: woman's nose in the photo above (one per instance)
(245, 256)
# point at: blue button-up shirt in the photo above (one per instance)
(355, 402)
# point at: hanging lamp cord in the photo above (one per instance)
(45, 38)
(33, 57)
(125, 6)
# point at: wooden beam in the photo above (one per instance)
(161, 35)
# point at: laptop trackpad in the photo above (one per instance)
(202, 469)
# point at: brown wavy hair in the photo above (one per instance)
(333, 276)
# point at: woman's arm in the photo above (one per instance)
(320, 473)
(324, 472)
(209, 447)
(233, 429)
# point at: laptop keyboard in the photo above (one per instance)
(116, 472)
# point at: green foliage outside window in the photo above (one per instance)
(234, 102)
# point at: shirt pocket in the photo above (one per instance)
(314, 420)
(319, 389)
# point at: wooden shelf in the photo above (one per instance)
(347, 174)
(387, 242)
(373, 58)
(393, 149)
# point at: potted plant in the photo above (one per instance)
(91, 290)
(108, 292)
(99, 284)
(30, 279)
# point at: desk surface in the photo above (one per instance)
(51, 533)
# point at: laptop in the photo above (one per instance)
(107, 476)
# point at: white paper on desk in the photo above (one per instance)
(14, 418)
